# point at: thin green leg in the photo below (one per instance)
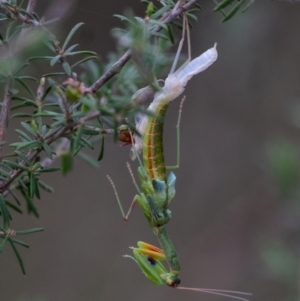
(125, 217)
(178, 137)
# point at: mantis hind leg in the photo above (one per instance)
(178, 137)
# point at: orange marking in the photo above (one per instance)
(152, 254)
(150, 250)
(149, 151)
(147, 246)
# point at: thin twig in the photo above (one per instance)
(31, 6)
(117, 67)
(25, 19)
(32, 155)
(46, 162)
(65, 106)
(63, 145)
(4, 114)
(40, 91)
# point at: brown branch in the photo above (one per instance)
(32, 155)
(4, 114)
(46, 162)
(40, 91)
(117, 67)
(25, 19)
(64, 102)
(67, 128)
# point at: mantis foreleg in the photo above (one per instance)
(148, 258)
(141, 199)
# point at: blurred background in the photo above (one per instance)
(236, 215)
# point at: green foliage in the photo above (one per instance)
(284, 166)
(280, 260)
(233, 7)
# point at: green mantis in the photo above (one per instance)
(158, 188)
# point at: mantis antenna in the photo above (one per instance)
(158, 188)
(224, 293)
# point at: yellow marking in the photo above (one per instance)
(150, 250)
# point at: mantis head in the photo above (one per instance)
(149, 258)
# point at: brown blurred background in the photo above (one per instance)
(236, 214)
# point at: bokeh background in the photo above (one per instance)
(236, 214)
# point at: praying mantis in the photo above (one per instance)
(158, 188)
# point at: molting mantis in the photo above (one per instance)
(158, 189)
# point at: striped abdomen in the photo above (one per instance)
(153, 153)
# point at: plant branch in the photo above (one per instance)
(19, 16)
(117, 67)
(31, 6)
(63, 145)
(32, 155)
(46, 162)
(4, 114)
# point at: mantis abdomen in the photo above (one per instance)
(153, 155)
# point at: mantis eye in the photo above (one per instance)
(152, 261)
